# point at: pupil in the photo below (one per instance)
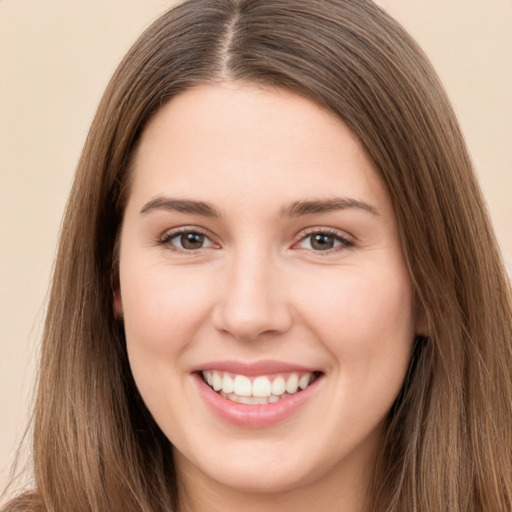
(192, 240)
(322, 242)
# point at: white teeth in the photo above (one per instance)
(242, 386)
(261, 387)
(261, 390)
(216, 381)
(292, 383)
(227, 384)
(252, 400)
(304, 381)
(278, 386)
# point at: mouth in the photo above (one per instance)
(260, 389)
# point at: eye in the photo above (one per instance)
(324, 241)
(187, 240)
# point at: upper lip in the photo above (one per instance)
(252, 369)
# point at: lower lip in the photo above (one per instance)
(255, 416)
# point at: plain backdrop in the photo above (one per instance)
(56, 57)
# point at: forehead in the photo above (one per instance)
(248, 141)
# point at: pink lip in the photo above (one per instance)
(254, 416)
(264, 367)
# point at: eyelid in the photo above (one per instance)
(169, 234)
(346, 241)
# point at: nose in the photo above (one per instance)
(252, 298)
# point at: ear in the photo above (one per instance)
(118, 303)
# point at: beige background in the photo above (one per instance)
(56, 57)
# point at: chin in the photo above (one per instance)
(261, 480)
(255, 470)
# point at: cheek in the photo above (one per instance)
(363, 318)
(366, 322)
(163, 311)
(161, 307)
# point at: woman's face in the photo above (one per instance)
(260, 253)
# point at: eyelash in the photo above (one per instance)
(344, 242)
(171, 235)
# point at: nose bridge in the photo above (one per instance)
(252, 302)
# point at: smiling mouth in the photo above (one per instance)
(260, 390)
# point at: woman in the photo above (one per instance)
(277, 287)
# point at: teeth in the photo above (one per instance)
(304, 381)
(278, 386)
(261, 387)
(251, 400)
(228, 385)
(242, 386)
(260, 390)
(216, 381)
(292, 383)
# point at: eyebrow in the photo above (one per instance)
(317, 206)
(180, 205)
(295, 209)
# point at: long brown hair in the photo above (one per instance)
(449, 438)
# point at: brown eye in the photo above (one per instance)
(187, 241)
(191, 241)
(322, 242)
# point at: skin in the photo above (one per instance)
(258, 289)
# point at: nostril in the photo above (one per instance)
(252, 322)
(250, 303)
